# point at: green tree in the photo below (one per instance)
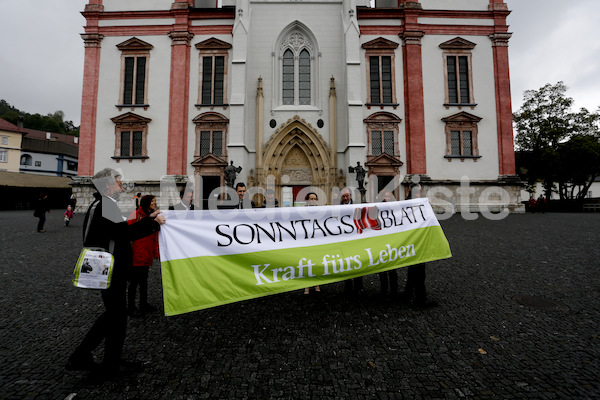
(556, 144)
(53, 122)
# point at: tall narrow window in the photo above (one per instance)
(376, 143)
(457, 67)
(380, 70)
(213, 73)
(135, 80)
(296, 69)
(288, 77)
(304, 78)
(213, 76)
(134, 73)
(388, 142)
(381, 79)
(458, 79)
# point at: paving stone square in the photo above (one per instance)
(518, 317)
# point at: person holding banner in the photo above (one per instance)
(388, 279)
(354, 285)
(270, 200)
(145, 251)
(240, 189)
(186, 200)
(414, 292)
(108, 228)
(311, 201)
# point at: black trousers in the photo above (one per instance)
(41, 222)
(389, 280)
(354, 285)
(415, 284)
(111, 326)
(138, 277)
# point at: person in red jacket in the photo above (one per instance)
(145, 250)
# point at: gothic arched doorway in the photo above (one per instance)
(296, 156)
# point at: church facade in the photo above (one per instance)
(299, 93)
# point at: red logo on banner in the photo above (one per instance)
(367, 218)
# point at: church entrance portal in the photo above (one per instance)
(296, 157)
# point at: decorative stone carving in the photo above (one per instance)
(296, 41)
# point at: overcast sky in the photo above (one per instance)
(41, 52)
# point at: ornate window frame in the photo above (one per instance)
(131, 122)
(136, 49)
(379, 123)
(211, 122)
(296, 37)
(213, 48)
(379, 48)
(462, 122)
(458, 47)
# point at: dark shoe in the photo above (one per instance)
(81, 362)
(41, 231)
(148, 308)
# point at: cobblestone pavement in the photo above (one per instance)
(481, 342)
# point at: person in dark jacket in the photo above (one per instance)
(354, 286)
(415, 294)
(41, 208)
(388, 279)
(145, 251)
(109, 230)
(186, 202)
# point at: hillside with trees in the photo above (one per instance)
(54, 122)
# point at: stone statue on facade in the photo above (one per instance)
(231, 173)
(360, 174)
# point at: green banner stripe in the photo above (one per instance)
(202, 282)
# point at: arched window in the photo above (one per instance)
(288, 78)
(25, 159)
(304, 78)
(296, 74)
(296, 67)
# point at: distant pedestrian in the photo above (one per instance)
(40, 210)
(137, 198)
(145, 251)
(72, 202)
(531, 204)
(68, 215)
(541, 203)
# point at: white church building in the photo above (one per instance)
(297, 91)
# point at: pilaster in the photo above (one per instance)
(179, 91)
(89, 102)
(414, 108)
(333, 124)
(506, 152)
